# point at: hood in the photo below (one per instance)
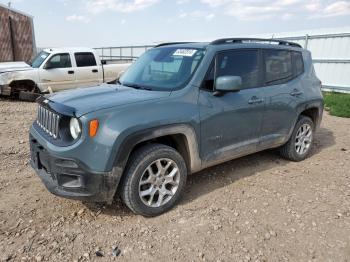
(14, 66)
(86, 100)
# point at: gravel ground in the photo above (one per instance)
(256, 208)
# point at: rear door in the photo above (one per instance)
(57, 73)
(88, 73)
(231, 122)
(283, 90)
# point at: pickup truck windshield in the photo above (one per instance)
(163, 69)
(39, 59)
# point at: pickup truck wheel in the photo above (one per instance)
(300, 143)
(28, 96)
(154, 180)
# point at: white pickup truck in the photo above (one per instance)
(57, 69)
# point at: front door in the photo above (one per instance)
(231, 122)
(57, 73)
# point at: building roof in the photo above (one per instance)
(15, 10)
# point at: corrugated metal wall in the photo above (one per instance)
(17, 41)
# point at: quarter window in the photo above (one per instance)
(278, 66)
(208, 83)
(298, 63)
(59, 61)
(85, 59)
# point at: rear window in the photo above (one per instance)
(278, 66)
(85, 59)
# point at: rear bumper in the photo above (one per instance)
(5, 90)
(70, 179)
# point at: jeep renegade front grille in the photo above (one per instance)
(48, 121)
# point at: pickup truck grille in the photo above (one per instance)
(48, 121)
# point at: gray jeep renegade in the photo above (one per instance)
(180, 108)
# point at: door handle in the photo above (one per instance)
(296, 92)
(94, 70)
(255, 100)
(70, 72)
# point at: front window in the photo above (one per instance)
(59, 61)
(242, 63)
(166, 68)
(39, 59)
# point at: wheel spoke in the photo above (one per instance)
(149, 180)
(173, 172)
(308, 139)
(167, 166)
(160, 199)
(159, 166)
(152, 196)
(147, 192)
(150, 171)
(171, 181)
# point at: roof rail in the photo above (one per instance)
(242, 40)
(172, 43)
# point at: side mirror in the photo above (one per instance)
(103, 62)
(228, 83)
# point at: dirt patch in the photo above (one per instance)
(256, 208)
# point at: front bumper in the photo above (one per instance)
(5, 90)
(70, 179)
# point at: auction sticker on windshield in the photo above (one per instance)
(185, 52)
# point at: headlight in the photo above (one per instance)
(3, 78)
(74, 127)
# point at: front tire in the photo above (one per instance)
(300, 143)
(154, 180)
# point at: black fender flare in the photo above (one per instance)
(307, 105)
(137, 137)
(14, 82)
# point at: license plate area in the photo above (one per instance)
(39, 156)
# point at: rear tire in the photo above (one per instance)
(28, 96)
(300, 143)
(154, 180)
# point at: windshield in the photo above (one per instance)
(39, 59)
(166, 68)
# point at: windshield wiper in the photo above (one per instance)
(136, 86)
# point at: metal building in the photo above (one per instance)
(17, 39)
